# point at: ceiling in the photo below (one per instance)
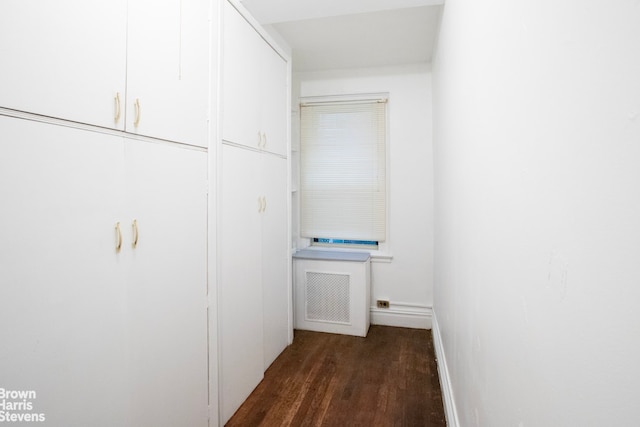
(344, 34)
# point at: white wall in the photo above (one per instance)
(406, 280)
(537, 195)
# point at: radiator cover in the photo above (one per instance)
(332, 293)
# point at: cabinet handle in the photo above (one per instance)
(259, 204)
(264, 204)
(262, 139)
(134, 226)
(117, 102)
(118, 237)
(136, 104)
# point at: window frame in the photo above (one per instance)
(382, 251)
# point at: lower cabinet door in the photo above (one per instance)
(166, 284)
(240, 291)
(102, 326)
(275, 255)
(62, 320)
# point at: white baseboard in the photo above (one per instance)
(403, 315)
(445, 380)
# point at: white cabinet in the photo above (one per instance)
(168, 69)
(61, 286)
(110, 336)
(138, 65)
(254, 302)
(275, 255)
(64, 58)
(240, 287)
(254, 87)
(103, 336)
(254, 273)
(166, 284)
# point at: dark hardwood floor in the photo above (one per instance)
(389, 378)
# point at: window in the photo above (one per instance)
(343, 184)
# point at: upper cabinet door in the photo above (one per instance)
(168, 69)
(274, 109)
(240, 80)
(64, 59)
(254, 87)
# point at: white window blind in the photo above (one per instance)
(343, 170)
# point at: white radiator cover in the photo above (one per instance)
(332, 292)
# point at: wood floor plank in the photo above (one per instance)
(389, 378)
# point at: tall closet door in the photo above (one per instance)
(240, 292)
(166, 284)
(61, 277)
(275, 252)
(168, 69)
(64, 58)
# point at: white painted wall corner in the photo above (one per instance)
(445, 380)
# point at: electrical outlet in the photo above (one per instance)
(383, 303)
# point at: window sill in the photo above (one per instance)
(376, 256)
